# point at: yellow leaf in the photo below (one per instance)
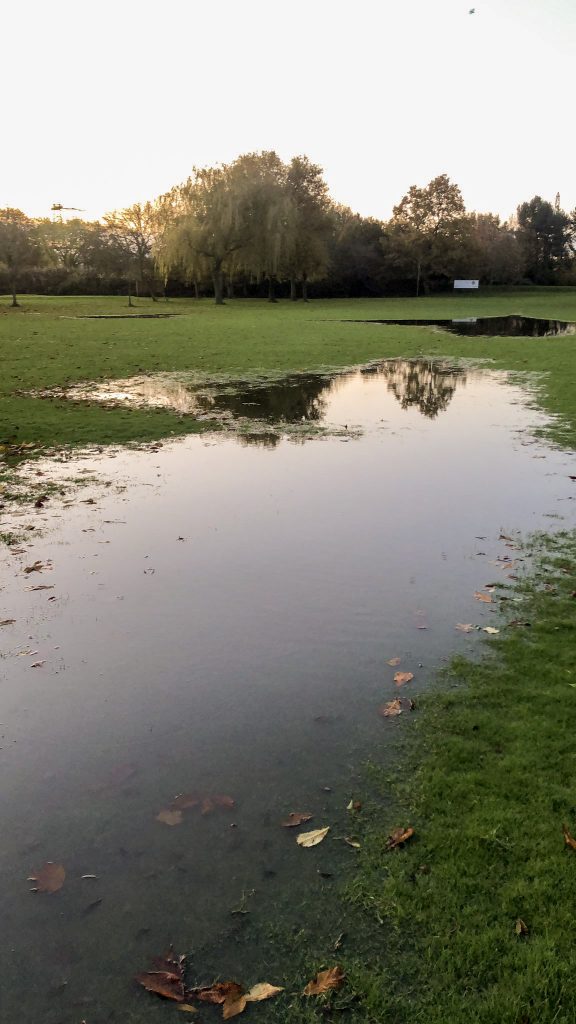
(403, 677)
(187, 1008)
(262, 991)
(393, 662)
(398, 837)
(482, 597)
(233, 1007)
(312, 838)
(491, 630)
(465, 627)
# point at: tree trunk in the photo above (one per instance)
(14, 302)
(136, 285)
(272, 289)
(217, 278)
(305, 287)
(196, 290)
(418, 280)
(293, 295)
(130, 303)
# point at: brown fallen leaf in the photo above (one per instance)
(396, 707)
(37, 566)
(394, 662)
(295, 818)
(218, 993)
(350, 841)
(354, 805)
(465, 627)
(232, 1007)
(486, 598)
(308, 839)
(398, 837)
(210, 803)
(168, 980)
(163, 983)
(262, 991)
(7, 622)
(41, 586)
(324, 981)
(521, 928)
(50, 877)
(187, 1008)
(568, 838)
(400, 678)
(170, 817)
(37, 664)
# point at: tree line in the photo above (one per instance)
(262, 226)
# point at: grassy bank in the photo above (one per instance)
(46, 344)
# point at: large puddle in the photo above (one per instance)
(223, 627)
(491, 326)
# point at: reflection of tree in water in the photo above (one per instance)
(428, 385)
(292, 400)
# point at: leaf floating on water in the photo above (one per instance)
(7, 622)
(308, 839)
(396, 707)
(37, 566)
(394, 662)
(490, 629)
(324, 981)
(398, 837)
(296, 818)
(50, 877)
(400, 678)
(262, 991)
(568, 838)
(465, 627)
(486, 598)
(170, 817)
(210, 803)
(521, 928)
(187, 1008)
(41, 586)
(168, 980)
(37, 664)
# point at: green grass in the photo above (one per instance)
(42, 345)
(488, 785)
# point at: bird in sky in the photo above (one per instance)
(472, 10)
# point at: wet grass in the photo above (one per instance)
(43, 345)
(488, 785)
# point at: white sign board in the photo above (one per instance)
(466, 284)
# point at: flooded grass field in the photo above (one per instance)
(216, 617)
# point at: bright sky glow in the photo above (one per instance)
(110, 103)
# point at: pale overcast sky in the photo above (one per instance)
(111, 102)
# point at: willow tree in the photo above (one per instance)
(209, 227)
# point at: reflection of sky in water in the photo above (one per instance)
(246, 658)
(490, 326)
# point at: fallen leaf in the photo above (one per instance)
(232, 1007)
(465, 627)
(37, 664)
(168, 980)
(50, 877)
(41, 586)
(324, 981)
(37, 566)
(88, 876)
(7, 622)
(521, 928)
(394, 661)
(210, 803)
(262, 991)
(354, 805)
(396, 707)
(187, 1008)
(568, 839)
(170, 817)
(184, 800)
(218, 993)
(163, 983)
(398, 837)
(308, 839)
(490, 629)
(400, 678)
(352, 842)
(295, 818)
(482, 597)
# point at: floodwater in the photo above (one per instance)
(492, 326)
(220, 624)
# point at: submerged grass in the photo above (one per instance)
(480, 905)
(45, 344)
